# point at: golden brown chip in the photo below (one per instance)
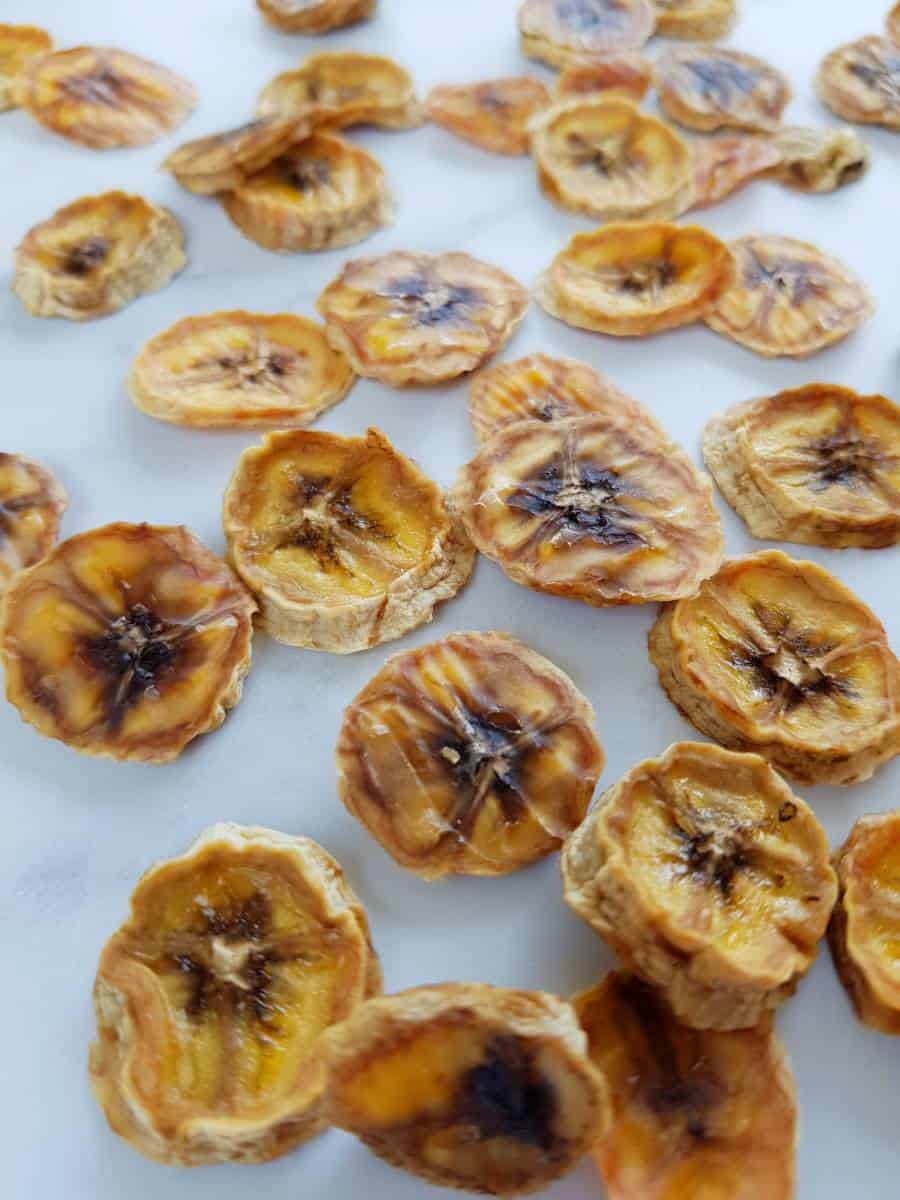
(494, 114)
(560, 31)
(729, 161)
(339, 89)
(18, 45)
(314, 16)
(709, 87)
(627, 74)
(818, 160)
(703, 20)
(224, 161)
(32, 503)
(861, 82)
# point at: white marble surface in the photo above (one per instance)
(78, 831)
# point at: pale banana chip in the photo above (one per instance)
(726, 162)
(710, 87)
(494, 114)
(626, 74)
(861, 82)
(334, 90)
(559, 31)
(818, 159)
(223, 161)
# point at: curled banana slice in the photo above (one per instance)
(223, 161)
(626, 74)
(18, 45)
(709, 87)
(339, 89)
(819, 160)
(700, 20)
(314, 16)
(726, 162)
(212, 998)
(558, 32)
(861, 82)
(32, 503)
(494, 114)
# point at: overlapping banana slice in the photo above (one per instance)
(96, 255)
(818, 464)
(18, 45)
(470, 756)
(726, 162)
(340, 89)
(32, 503)
(777, 656)
(406, 318)
(212, 998)
(467, 1086)
(559, 32)
(345, 542)
(892, 24)
(788, 298)
(865, 928)
(709, 87)
(126, 642)
(695, 1115)
(627, 74)
(819, 159)
(223, 161)
(314, 16)
(703, 20)
(604, 157)
(861, 82)
(494, 114)
(709, 878)
(635, 278)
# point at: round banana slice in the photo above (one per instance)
(32, 503)
(627, 74)
(559, 32)
(96, 255)
(471, 756)
(709, 87)
(865, 928)
(340, 89)
(468, 1086)
(224, 161)
(314, 16)
(892, 24)
(709, 878)
(703, 20)
(726, 162)
(494, 114)
(212, 998)
(818, 464)
(696, 1115)
(777, 656)
(233, 370)
(819, 160)
(345, 542)
(603, 509)
(861, 82)
(631, 279)
(321, 194)
(18, 45)
(788, 298)
(126, 642)
(405, 318)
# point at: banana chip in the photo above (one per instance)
(777, 656)
(314, 16)
(703, 20)
(627, 74)
(710, 88)
(32, 503)
(892, 24)
(819, 160)
(224, 161)
(494, 114)
(336, 90)
(212, 998)
(726, 162)
(558, 32)
(18, 45)
(861, 82)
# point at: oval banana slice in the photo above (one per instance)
(339, 89)
(345, 542)
(710, 87)
(314, 16)
(626, 74)
(559, 31)
(695, 1114)
(861, 82)
(703, 20)
(18, 45)
(602, 156)
(32, 503)
(777, 656)
(126, 642)
(788, 298)
(632, 279)
(709, 878)
(212, 998)
(468, 1086)
(818, 464)
(405, 318)
(726, 162)
(819, 159)
(223, 161)
(494, 114)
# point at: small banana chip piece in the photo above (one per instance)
(726, 162)
(471, 756)
(627, 74)
(32, 503)
(223, 161)
(340, 89)
(861, 82)
(709, 878)
(96, 255)
(212, 998)
(710, 87)
(126, 642)
(494, 114)
(776, 656)
(635, 278)
(468, 1086)
(345, 542)
(788, 298)
(314, 16)
(559, 32)
(405, 318)
(703, 20)
(18, 45)
(818, 464)
(602, 156)
(695, 1114)
(819, 159)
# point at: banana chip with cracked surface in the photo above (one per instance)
(818, 159)
(726, 162)
(704, 20)
(861, 82)
(559, 32)
(710, 87)
(775, 655)
(212, 998)
(223, 161)
(493, 114)
(627, 74)
(709, 878)
(18, 45)
(32, 503)
(314, 16)
(467, 1085)
(339, 89)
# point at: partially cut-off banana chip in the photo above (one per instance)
(32, 503)
(345, 542)
(636, 278)
(818, 464)
(314, 16)
(703, 20)
(892, 24)
(494, 114)
(233, 370)
(709, 878)
(471, 756)
(406, 318)
(818, 159)
(602, 156)
(18, 45)
(212, 998)
(126, 642)
(696, 1115)
(96, 255)
(559, 32)
(339, 89)
(223, 161)
(861, 82)
(468, 1086)
(726, 162)
(777, 656)
(627, 74)
(788, 298)
(709, 87)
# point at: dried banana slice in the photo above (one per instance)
(694, 1114)
(212, 998)
(406, 318)
(32, 503)
(224, 161)
(819, 160)
(603, 509)
(96, 255)
(18, 45)
(709, 87)
(818, 464)
(336, 90)
(709, 878)
(494, 114)
(777, 656)
(865, 928)
(788, 298)
(471, 756)
(559, 32)
(626, 74)
(635, 278)
(468, 1086)
(604, 157)
(726, 162)
(345, 542)
(703, 20)
(233, 370)
(314, 16)
(861, 82)
(126, 641)
(892, 24)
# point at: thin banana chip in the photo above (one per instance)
(627, 74)
(18, 45)
(726, 162)
(818, 160)
(558, 32)
(224, 161)
(314, 16)
(709, 87)
(494, 114)
(703, 20)
(32, 503)
(861, 82)
(339, 89)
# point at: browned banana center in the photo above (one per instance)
(134, 653)
(505, 1096)
(880, 72)
(577, 503)
(604, 156)
(329, 514)
(785, 675)
(431, 301)
(101, 86)
(647, 278)
(254, 367)
(713, 856)
(308, 174)
(843, 459)
(86, 255)
(483, 753)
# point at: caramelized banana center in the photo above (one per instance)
(307, 175)
(86, 255)
(504, 1096)
(578, 502)
(846, 460)
(134, 652)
